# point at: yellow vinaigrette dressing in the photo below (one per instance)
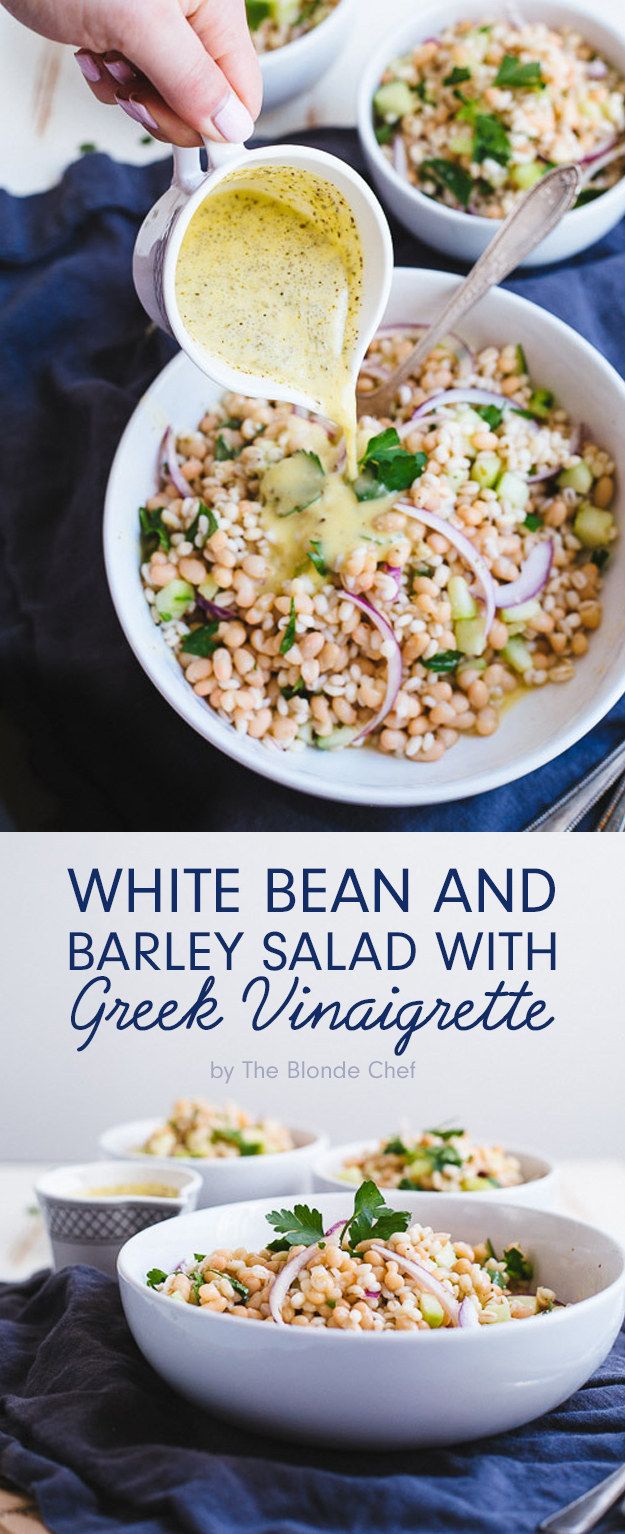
(269, 278)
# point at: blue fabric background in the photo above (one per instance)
(76, 356)
(89, 1429)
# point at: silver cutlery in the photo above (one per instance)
(567, 812)
(587, 1511)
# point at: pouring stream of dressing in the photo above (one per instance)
(269, 278)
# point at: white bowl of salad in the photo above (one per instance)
(463, 108)
(470, 722)
(297, 41)
(364, 1326)
(238, 1155)
(440, 1163)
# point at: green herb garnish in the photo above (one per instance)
(257, 12)
(153, 534)
(445, 1134)
(490, 140)
(513, 73)
(444, 660)
(300, 1226)
(518, 1265)
(235, 1137)
(457, 76)
(384, 132)
(454, 178)
(316, 557)
(541, 402)
(223, 450)
(298, 690)
(491, 414)
(533, 522)
(372, 1220)
(395, 1148)
(155, 1277)
(388, 462)
(201, 641)
(521, 359)
(193, 530)
(288, 637)
(600, 558)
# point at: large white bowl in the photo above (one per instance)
(289, 71)
(387, 1390)
(542, 725)
(538, 1188)
(226, 1179)
(463, 235)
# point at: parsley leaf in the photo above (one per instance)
(518, 1265)
(491, 414)
(300, 1226)
(444, 660)
(298, 690)
(439, 1156)
(193, 530)
(316, 557)
(389, 463)
(372, 1219)
(201, 641)
(454, 178)
(533, 522)
(395, 1148)
(512, 72)
(457, 76)
(153, 534)
(223, 449)
(155, 1277)
(384, 132)
(257, 12)
(600, 558)
(288, 637)
(490, 140)
(445, 1134)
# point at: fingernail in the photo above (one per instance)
(88, 67)
(120, 70)
(138, 112)
(233, 120)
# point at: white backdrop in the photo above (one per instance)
(558, 1090)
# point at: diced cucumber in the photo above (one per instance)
(474, 1184)
(174, 600)
(579, 478)
(431, 1310)
(499, 1309)
(524, 1305)
(340, 737)
(208, 589)
(517, 655)
(541, 402)
(513, 489)
(525, 176)
(285, 12)
(446, 1257)
(593, 527)
(461, 141)
(522, 612)
(486, 470)
(456, 477)
(394, 100)
(293, 484)
(460, 599)
(470, 635)
(420, 1166)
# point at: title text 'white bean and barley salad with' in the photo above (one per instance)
(435, 1161)
(476, 116)
(200, 1129)
(373, 1271)
(273, 23)
(462, 566)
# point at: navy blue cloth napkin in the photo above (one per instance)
(76, 356)
(103, 1444)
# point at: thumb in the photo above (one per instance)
(175, 60)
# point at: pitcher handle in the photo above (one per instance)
(188, 173)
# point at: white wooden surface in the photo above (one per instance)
(46, 110)
(589, 1190)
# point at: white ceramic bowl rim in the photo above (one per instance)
(298, 45)
(51, 1183)
(337, 1154)
(558, 1316)
(308, 1146)
(397, 44)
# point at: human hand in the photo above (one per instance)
(183, 69)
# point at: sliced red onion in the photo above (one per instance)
(338, 1225)
(400, 158)
(169, 452)
(543, 474)
(589, 159)
(424, 1279)
(465, 548)
(467, 1314)
(213, 609)
(283, 1280)
(394, 663)
(461, 397)
(534, 575)
(372, 1294)
(596, 69)
(577, 438)
(395, 572)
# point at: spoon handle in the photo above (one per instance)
(530, 220)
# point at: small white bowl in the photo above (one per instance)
(463, 235)
(291, 70)
(226, 1179)
(87, 1227)
(386, 1390)
(538, 1189)
(543, 724)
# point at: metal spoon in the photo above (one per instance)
(530, 220)
(570, 809)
